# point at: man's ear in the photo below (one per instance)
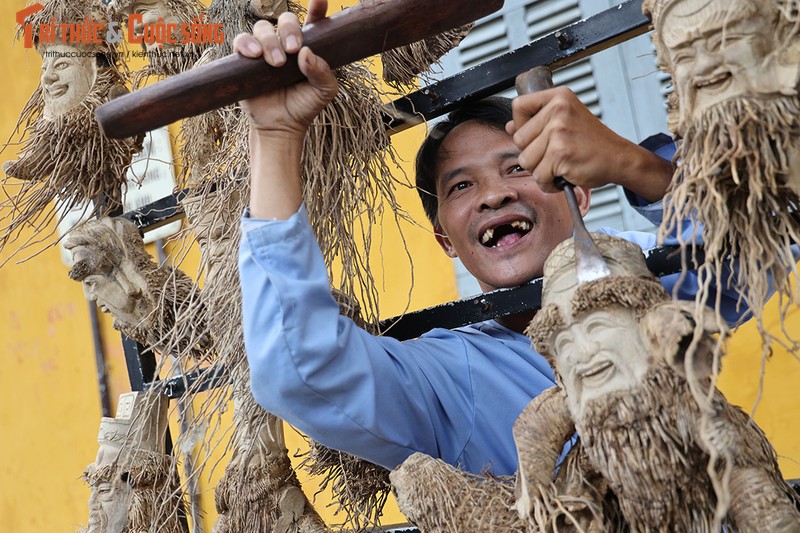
(584, 197)
(444, 241)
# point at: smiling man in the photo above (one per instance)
(484, 177)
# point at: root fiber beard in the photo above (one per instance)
(671, 467)
(735, 177)
(66, 157)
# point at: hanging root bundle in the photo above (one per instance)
(348, 184)
(402, 65)
(68, 158)
(734, 167)
(438, 497)
(259, 490)
(261, 498)
(159, 294)
(359, 488)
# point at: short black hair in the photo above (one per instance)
(494, 112)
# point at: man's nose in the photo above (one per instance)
(497, 192)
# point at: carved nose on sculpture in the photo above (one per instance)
(89, 294)
(580, 352)
(705, 61)
(50, 75)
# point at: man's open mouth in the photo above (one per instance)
(505, 234)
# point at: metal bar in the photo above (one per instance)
(141, 363)
(502, 302)
(100, 361)
(158, 213)
(496, 304)
(560, 48)
(198, 381)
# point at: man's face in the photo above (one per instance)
(492, 214)
(720, 51)
(66, 80)
(598, 354)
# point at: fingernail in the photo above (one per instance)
(277, 57)
(253, 48)
(291, 43)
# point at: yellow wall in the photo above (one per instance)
(49, 413)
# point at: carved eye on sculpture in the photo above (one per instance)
(90, 281)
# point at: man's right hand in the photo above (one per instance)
(288, 111)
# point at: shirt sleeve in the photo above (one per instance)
(331, 379)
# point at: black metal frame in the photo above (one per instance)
(560, 48)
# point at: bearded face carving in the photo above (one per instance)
(735, 67)
(111, 271)
(720, 50)
(149, 302)
(134, 483)
(603, 354)
(634, 366)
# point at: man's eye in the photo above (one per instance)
(460, 186)
(516, 169)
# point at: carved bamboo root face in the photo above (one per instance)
(128, 444)
(102, 254)
(596, 347)
(62, 154)
(68, 75)
(735, 66)
(629, 360)
(717, 50)
(156, 305)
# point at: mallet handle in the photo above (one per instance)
(352, 34)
